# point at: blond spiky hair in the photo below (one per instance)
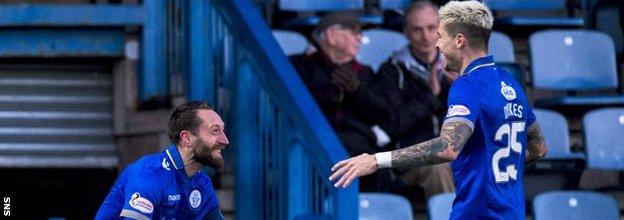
(470, 18)
(467, 12)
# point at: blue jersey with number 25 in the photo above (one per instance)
(488, 171)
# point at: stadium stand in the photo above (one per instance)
(586, 61)
(384, 206)
(603, 130)
(439, 206)
(571, 205)
(513, 23)
(291, 42)
(501, 47)
(377, 46)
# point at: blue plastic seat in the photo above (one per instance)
(320, 5)
(384, 206)
(439, 206)
(533, 5)
(603, 130)
(561, 168)
(394, 4)
(307, 6)
(378, 45)
(572, 205)
(574, 60)
(501, 47)
(291, 42)
(555, 129)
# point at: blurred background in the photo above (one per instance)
(86, 87)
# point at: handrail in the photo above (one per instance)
(269, 95)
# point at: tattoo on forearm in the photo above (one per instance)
(434, 151)
(535, 143)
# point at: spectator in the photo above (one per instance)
(416, 87)
(343, 88)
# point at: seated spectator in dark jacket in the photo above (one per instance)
(344, 89)
(416, 87)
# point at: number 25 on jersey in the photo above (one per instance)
(511, 131)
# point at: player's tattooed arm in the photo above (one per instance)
(536, 145)
(442, 149)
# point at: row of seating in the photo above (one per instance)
(306, 6)
(378, 45)
(511, 16)
(603, 131)
(554, 205)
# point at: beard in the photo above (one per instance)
(453, 64)
(203, 154)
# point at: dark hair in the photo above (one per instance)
(185, 118)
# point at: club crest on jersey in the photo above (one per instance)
(195, 199)
(165, 164)
(140, 203)
(457, 110)
(508, 92)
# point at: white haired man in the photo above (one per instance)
(489, 132)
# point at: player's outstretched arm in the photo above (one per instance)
(536, 145)
(442, 149)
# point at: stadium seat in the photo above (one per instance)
(555, 129)
(291, 42)
(574, 60)
(384, 206)
(561, 168)
(572, 205)
(378, 45)
(603, 130)
(394, 4)
(501, 47)
(306, 6)
(512, 23)
(439, 206)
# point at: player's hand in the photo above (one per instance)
(352, 168)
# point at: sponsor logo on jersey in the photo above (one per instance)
(195, 199)
(457, 110)
(508, 92)
(173, 198)
(165, 164)
(140, 203)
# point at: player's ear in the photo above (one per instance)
(460, 40)
(186, 138)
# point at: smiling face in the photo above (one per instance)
(420, 28)
(210, 139)
(449, 47)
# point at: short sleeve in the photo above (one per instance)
(463, 102)
(141, 197)
(530, 116)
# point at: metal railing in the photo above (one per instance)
(284, 147)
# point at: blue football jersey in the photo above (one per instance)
(157, 187)
(488, 172)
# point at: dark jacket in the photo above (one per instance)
(350, 114)
(415, 113)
